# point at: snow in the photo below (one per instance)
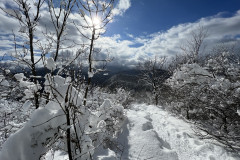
(152, 133)
(50, 64)
(190, 73)
(27, 105)
(19, 76)
(29, 148)
(149, 132)
(7, 71)
(37, 135)
(238, 112)
(4, 83)
(102, 124)
(90, 74)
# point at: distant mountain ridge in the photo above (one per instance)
(113, 77)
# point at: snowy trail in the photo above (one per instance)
(152, 133)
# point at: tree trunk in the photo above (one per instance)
(90, 67)
(68, 135)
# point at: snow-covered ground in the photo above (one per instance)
(152, 133)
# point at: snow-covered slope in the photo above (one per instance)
(152, 133)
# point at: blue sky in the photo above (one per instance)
(143, 29)
(150, 16)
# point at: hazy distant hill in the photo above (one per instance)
(113, 77)
(126, 81)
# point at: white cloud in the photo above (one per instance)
(121, 7)
(9, 25)
(130, 52)
(219, 29)
(130, 35)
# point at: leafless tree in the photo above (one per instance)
(28, 19)
(154, 73)
(192, 49)
(96, 15)
(63, 93)
(59, 16)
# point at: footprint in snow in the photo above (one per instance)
(147, 126)
(148, 117)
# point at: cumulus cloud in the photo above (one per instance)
(128, 52)
(10, 25)
(219, 29)
(121, 7)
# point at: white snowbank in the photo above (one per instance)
(23, 145)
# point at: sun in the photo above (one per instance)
(96, 22)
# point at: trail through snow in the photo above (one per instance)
(152, 133)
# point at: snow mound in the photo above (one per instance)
(22, 145)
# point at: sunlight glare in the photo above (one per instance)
(96, 22)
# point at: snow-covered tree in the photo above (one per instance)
(28, 16)
(62, 121)
(209, 95)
